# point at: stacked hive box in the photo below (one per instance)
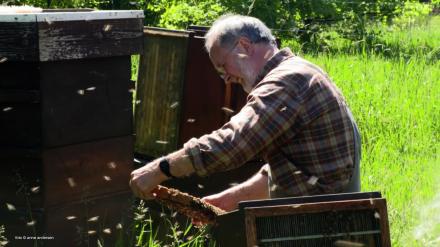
(66, 146)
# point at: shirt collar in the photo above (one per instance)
(273, 62)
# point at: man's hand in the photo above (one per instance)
(255, 188)
(145, 179)
(226, 200)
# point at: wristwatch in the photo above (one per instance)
(164, 167)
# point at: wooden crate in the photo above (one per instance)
(353, 219)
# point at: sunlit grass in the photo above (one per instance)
(396, 103)
(176, 234)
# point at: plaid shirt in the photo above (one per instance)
(297, 120)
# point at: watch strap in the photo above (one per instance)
(164, 167)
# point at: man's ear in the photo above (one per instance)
(246, 45)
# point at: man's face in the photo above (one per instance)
(233, 65)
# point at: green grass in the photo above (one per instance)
(174, 233)
(396, 103)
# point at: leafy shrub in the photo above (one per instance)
(181, 15)
(412, 13)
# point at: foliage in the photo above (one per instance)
(99, 4)
(182, 15)
(316, 25)
(176, 234)
(412, 13)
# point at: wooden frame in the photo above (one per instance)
(377, 204)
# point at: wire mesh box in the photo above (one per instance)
(353, 219)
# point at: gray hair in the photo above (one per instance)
(228, 28)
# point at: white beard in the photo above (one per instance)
(248, 76)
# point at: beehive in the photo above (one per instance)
(357, 219)
(66, 123)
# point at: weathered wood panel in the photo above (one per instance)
(159, 91)
(60, 40)
(18, 41)
(75, 172)
(85, 100)
(53, 176)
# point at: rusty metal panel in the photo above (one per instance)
(75, 172)
(204, 94)
(159, 91)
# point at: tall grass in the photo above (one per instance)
(174, 234)
(396, 103)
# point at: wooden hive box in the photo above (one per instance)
(66, 145)
(180, 95)
(351, 219)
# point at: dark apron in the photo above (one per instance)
(355, 182)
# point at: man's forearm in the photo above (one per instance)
(256, 187)
(180, 164)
